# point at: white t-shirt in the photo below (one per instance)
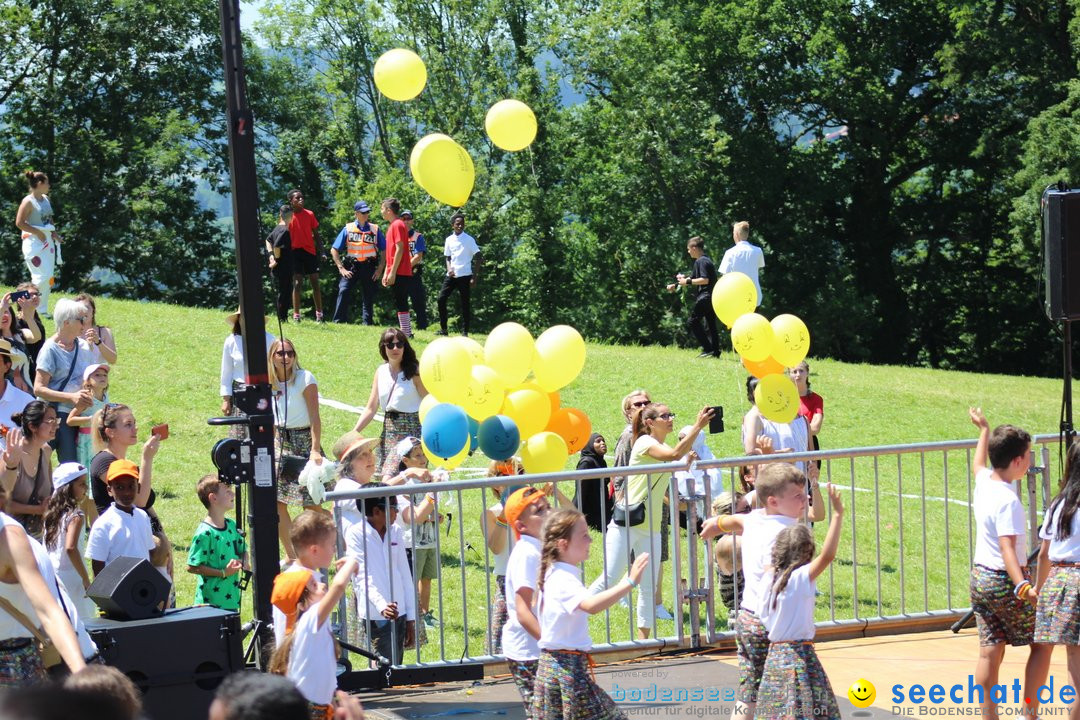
(793, 616)
(347, 508)
(794, 436)
(998, 511)
(745, 258)
(311, 663)
(426, 530)
(232, 361)
(521, 572)
(10, 628)
(61, 563)
(401, 396)
(58, 362)
(62, 597)
(12, 401)
(290, 408)
(117, 533)
(460, 249)
(1067, 550)
(563, 625)
(758, 538)
(500, 559)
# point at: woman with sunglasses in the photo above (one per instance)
(396, 390)
(30, 319)
(32, 488)
(634, 401)
(60, 366)
(298, 431)
(650, 427)
(20, 339)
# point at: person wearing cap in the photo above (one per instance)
(385, 595)
(279, 254)
(96, 383)
(419, 519)
(12, 399)
(356, 468)
(123, 530)
(65, 536)
(525, 510)
(398, 274)
(460, 250)
(358, 254)
(417, 248)
(60, 367)
(233, 373)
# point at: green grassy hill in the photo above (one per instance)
(169, 359)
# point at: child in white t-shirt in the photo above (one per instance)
(1002, 596)
(565, 605)
(123, 530)
(793, 683)
(308, 656)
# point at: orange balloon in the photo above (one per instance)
(573, 426)
(768, 366)
(556, 403)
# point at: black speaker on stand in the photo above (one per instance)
(176, 660)
(1060, 218)
(130, 589)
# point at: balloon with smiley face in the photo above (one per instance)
(498, 437)
(483, 394)
(444, 368)
(752, 337)
(573, 426)
(777, 398)
(791, 340)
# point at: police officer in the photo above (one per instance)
(358, 253)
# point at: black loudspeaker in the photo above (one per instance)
(129, 589)
(177, 660)
(1061, 247)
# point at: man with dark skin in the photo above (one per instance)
(305, 254)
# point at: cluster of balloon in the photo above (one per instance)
(488, 401)
(765, 347)
(439, 165)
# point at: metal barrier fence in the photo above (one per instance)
(905, 552)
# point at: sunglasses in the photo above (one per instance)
(640, 403)
(667, 416)
(286, 353)
(394, 345)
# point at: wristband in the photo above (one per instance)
(1021, 589)
(632, 583)
(11, 467)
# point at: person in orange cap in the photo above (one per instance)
(123, 530)
(288, 588)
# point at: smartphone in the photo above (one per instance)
(716, 422)
(19, 295)
(162, 431)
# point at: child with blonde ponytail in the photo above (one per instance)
(565, 686)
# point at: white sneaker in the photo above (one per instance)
(663, 614)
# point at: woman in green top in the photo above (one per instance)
(651, 426)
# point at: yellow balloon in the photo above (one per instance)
(484, 394)
(426, 404)
(400, 74)
(445, 369)
(544, 452)
(733, 296)
(443, 168)
(752, 337)
(509, 351)
(777, 398)
(475, 349)
(791, 340)
(511, 125)
(445, 463)
(560, 356)
(530, 409)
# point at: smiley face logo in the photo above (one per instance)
(861, 693)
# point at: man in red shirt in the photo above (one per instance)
(399, 273)
(305, 254)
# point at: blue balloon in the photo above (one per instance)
(474, 434)
(499, 437)
(446, 430)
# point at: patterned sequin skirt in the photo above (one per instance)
(1057, 618)
(297, 442)
(752, 640)
(794, 685)
(565, 690)
(499, 615)
(524, 674)
(20, 663)
(396, 427)
(1001, 616)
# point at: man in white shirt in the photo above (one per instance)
(743, 257)
(12, 399)
(461, 251)
(383, 586)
